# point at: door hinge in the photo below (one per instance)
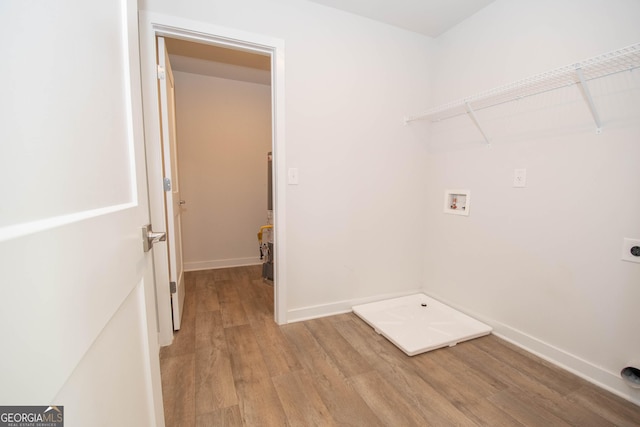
(172, 287)
(166, 183)
(161, 72)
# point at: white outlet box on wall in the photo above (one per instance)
(457, 202)
(629, 248)
(520, 178)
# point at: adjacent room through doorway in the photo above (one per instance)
(224, 132)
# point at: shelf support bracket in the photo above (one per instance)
(587, 96)
(473, 117)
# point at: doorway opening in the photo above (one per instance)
(223, 128)
(205, 38)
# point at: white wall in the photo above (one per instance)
(224, 135)
(354, 223)
(541, 263)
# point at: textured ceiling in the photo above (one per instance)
(429, 17)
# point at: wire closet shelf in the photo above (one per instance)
(625, 59)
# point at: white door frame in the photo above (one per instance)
(153, 25)
(173, 207)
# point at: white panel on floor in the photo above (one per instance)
(418, 323)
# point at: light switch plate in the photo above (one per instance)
(292, 176)
(627, 246)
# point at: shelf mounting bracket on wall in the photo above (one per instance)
(617, 61)
(587, 96)
(473, 117)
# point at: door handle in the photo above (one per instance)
(149, 237)
(182, 202)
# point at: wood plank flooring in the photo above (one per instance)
(231, 365)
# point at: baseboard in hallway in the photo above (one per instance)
(221, 263)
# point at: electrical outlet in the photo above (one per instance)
(631, 250)
(520, 178)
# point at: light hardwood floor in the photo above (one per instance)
(231, 365)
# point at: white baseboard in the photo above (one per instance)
(340, 307)
(221, 263)
(610, 381)
(597, 375)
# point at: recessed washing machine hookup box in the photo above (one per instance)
(457, 202)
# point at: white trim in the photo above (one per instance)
(279, 182)
(150, 97)
(146, 305)
(340, 307)
(154, 24)
(597, 375)
(139, 193)
(221, 263)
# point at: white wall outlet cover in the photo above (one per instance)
(631, 250)
(520, 178)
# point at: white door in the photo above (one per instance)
(78, 307)
(173, 203)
